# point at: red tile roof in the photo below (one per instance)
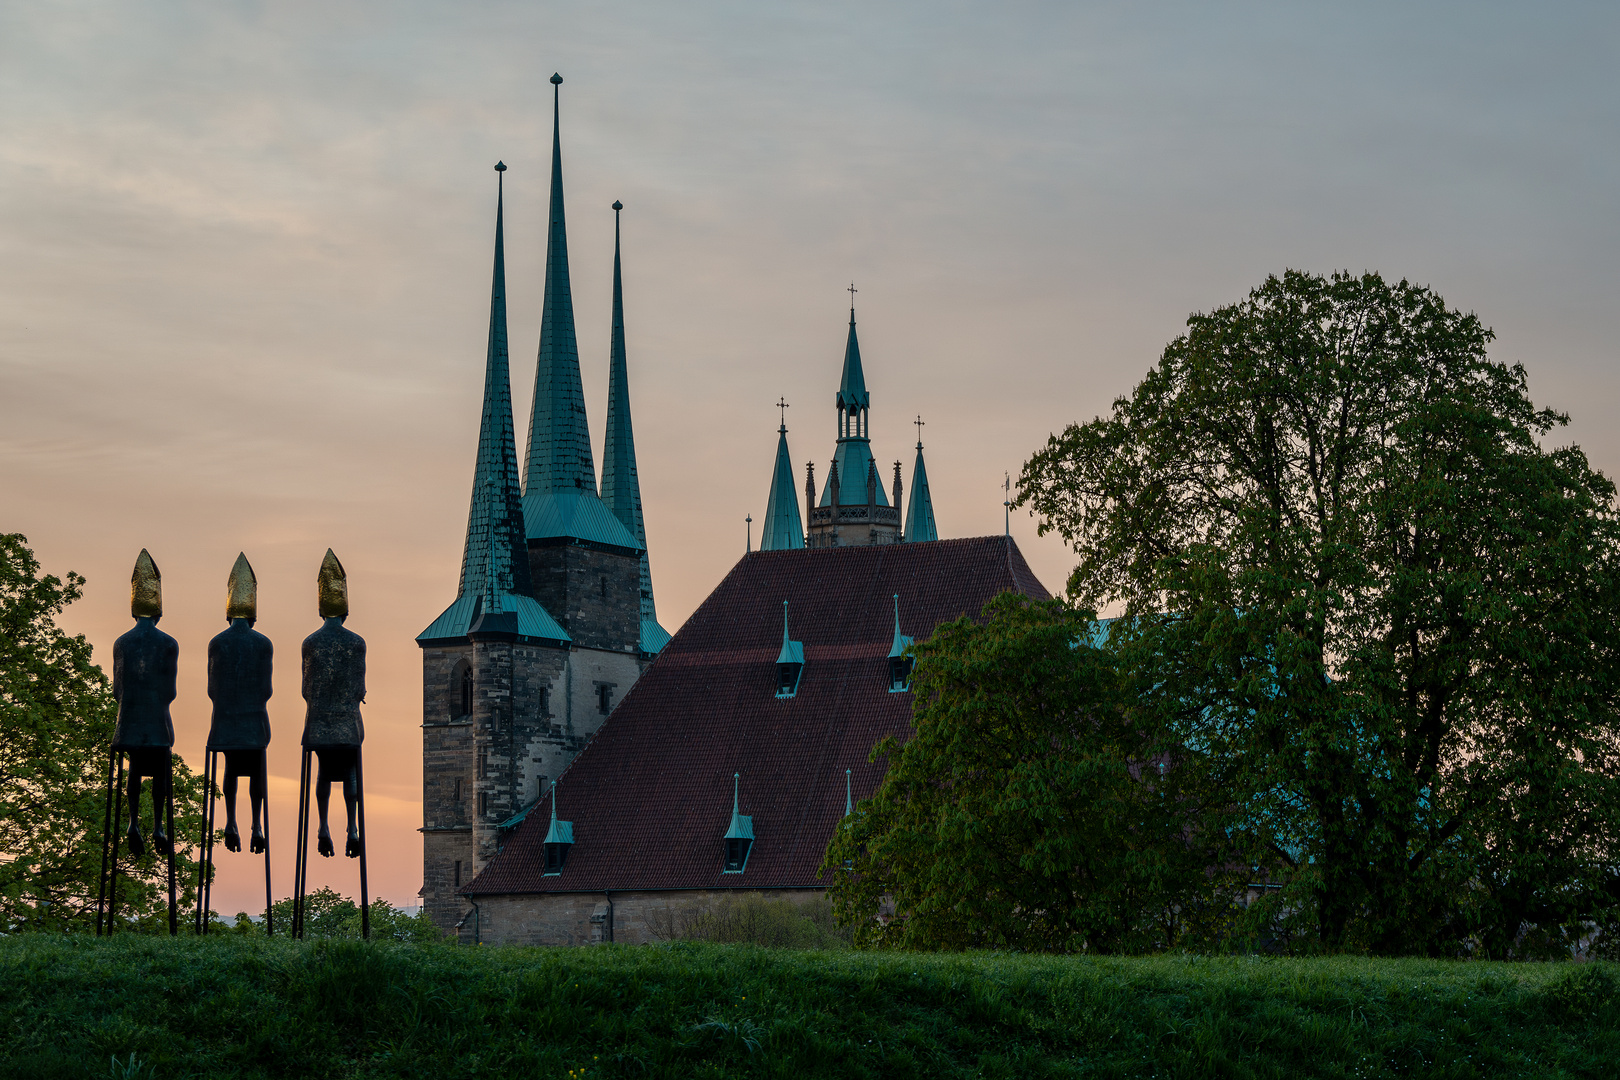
(650, 795)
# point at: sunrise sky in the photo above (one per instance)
(245, 257)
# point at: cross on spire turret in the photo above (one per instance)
(782, 404)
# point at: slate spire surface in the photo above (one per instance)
(495, 586)
(783, 529)
(559, 479)
(495, 559)
(559, 452)
(621, 488)
(920, 507)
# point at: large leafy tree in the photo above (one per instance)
(56, 723)
(1028, 810)
(1374, 604)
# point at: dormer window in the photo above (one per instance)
(900, 661)
(739, 838)
(559, 839)
(789, 662)
(899, 674)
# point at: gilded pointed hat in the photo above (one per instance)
(242, 591)
(332, 587)
(145, 588)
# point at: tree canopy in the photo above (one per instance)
(56, 723)
(1029, 810)
(1376, 608)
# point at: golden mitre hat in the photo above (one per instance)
(332, 587)
(242, 591)
(145, 588)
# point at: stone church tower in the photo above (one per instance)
(554, 618)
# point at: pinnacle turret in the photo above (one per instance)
(782, 529)
(920, 510)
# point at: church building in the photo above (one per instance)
(587, 777)
(554, 618)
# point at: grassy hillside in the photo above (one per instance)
(241, 1006)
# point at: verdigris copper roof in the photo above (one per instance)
(576, 516)
(650, 796)
(521, 616)
(621, 486)
(856, 468)
(852, 387)
(495, 563)
(559, 454)
(783, 528)
(920, 507)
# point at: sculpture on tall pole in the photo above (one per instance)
(334, 688)
(239, 668)
(144, 664)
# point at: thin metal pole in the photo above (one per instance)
(360, 799)
(301, 856)
(106, 841)
(205, 848)
(118, 818)
(174, 846)
(269, 904)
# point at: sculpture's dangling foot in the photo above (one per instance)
(352, 848)
(137, 846)
(324, 842)
(233, 839)
(160, 841)
(257, 842)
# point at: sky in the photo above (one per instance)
(245, 267)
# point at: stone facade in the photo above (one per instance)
(491, 749)
(595, 593)
(628, 918)
(871, 524)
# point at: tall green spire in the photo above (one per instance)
(496, 593)
(559, 455)
(852, 387)
(495, 560)
(559, 484)
(783, 529)
(621, 489)
(920, 508)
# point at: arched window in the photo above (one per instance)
(461, 691)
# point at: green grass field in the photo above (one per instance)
(232, 1006)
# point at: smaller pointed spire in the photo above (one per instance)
(782, 529)
(920, 511)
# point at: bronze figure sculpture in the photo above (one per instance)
(334, 688)
(144, 664)
(239, 685)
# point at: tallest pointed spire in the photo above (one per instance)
(559, 455)
(621, 488)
